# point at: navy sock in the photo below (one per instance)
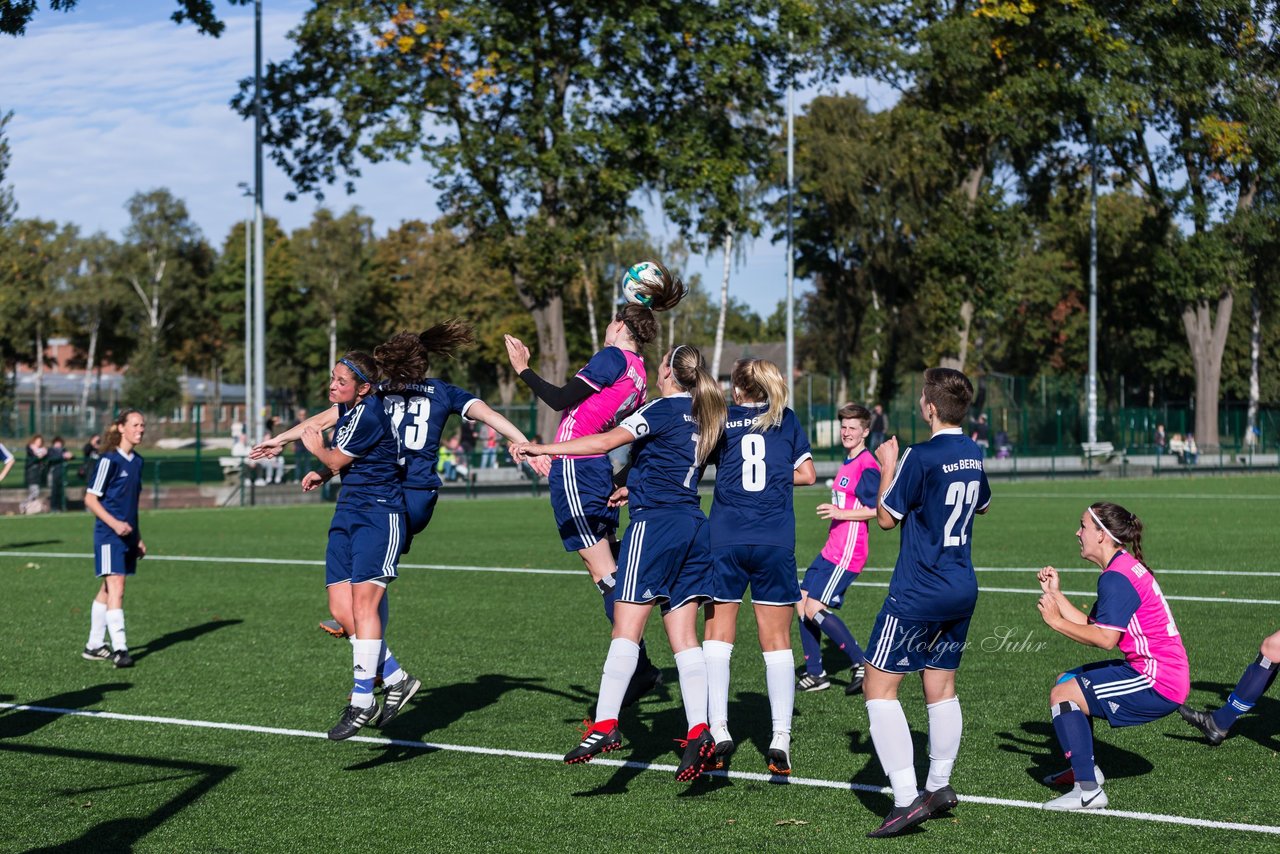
(1257, 678)
(606, 586)
(834, 628)
(1076, 737)
(811, 640)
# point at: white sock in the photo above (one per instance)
(115, 626)
(781, 741)
(97, 625)
(892, 739)
(619, 667)
(780, 679)
(692, 666)
(717, 655)
(945, 725)
(364, 662)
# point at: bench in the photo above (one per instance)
(232, 467)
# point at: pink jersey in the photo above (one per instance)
(1150, 641)
(618, 378)
(856, 485)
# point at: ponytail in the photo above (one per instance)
(664, 291)
(709, 409)
(406, 358)
(760, 381)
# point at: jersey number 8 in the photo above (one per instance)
(753, 470)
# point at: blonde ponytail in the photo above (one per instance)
(760, 381)
(709, 409)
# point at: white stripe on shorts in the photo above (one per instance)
(883, 644)
(104, 560)
(635, 548)
(571, 494)
(393, 546)
(1124, 686)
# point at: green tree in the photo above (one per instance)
(541, 122)
(93, 309)
(16, 14)
(331, 269)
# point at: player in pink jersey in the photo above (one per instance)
(1131, 613)
(853, 502)
(608, 389)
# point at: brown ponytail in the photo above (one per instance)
(664, 295)
(709, 409)
(406, 357)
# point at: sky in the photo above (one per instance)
(113, 98)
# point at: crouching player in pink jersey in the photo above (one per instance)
(853, 502)
(1132, 613)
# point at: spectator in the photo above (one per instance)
(34, 471)
(981, 432)
(56, 463)
(1004, 448)
(489, 458)
(879, 427)
(272, 467)
(466, 445)
(92, 451)
(1178, 447)
(1192, 453)
(302, 459)
(1159, 439)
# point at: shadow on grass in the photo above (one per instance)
(1258, 724)
(15, 723)
(438, 708)
(26, 544)
(867, 782)
(163, 642)
(122, 834)
(1040, 742)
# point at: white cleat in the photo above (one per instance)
(1078, 799)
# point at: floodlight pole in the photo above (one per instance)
(257, 430)
(248, 317)
(1091, 390)
(791, 265)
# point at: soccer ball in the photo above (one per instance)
(641, 281)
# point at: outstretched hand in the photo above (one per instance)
(311, 480)
(266, 449)
(517, 352)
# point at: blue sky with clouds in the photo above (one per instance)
(114, 98)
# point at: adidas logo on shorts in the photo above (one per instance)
(906, 662)
(648, 594)
(1115, 707)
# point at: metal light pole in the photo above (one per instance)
(257, 430)
(1091, 390)
(791, 265)
(248, 314)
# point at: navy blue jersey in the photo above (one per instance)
(117, 481)
(938, 487)
(754, 471)
(419, 412)
(5, 454)
(664, 466)
(374, 479)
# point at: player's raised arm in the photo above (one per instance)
(887, 457)
(272, 446)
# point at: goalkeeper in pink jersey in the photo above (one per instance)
(853, 502)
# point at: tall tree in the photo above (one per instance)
(331, 268)
(93, 308)
(540, 121)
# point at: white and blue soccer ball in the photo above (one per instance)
(641, 282)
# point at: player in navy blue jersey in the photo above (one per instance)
(365, 536)
(665, 557)
(1255, 681)
(115, 486)
(419, 406)
(933, 492)
(763, 454)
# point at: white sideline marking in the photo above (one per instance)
(621, 763)
(578, 572)
(1202, 496)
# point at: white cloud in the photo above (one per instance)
(121, 100)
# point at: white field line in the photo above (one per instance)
(578, 572)
(618, 763)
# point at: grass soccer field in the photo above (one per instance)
(215, 740)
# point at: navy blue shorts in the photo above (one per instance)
(364, 545)
(114, 555)
(580, 491)
(826, 582)
(419, 505)
(1122, 695)
(901, 645)
(769, 570)
(666, 558)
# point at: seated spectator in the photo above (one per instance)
(1178, 447)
